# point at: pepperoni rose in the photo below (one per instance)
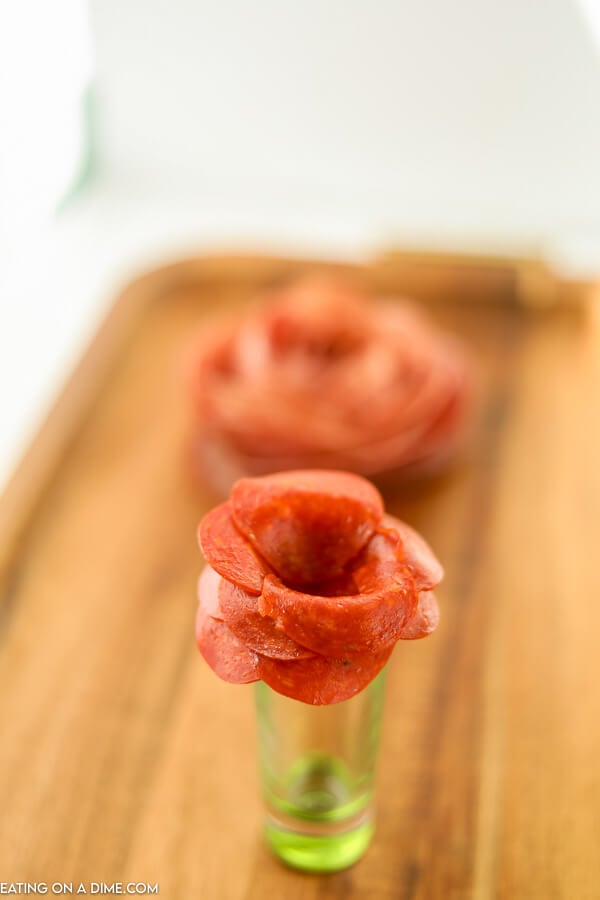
(309, 584)
(321, 377)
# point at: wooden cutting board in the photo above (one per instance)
(123, 758)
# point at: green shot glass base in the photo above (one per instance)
(321, 826)
(319, 853)
(317, 769)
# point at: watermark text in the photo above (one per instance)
(82, 887)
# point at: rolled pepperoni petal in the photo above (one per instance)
(354, 623)
(321, 681)
(208, 592)
(239, 610)
(425, 619)
(428, 571)
(229, 552)
(381, 562)
(307, 524)
(446, 433)
(224, 653)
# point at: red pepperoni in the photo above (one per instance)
(446, 432)
(428, 571)
(319, 377)
(307, 524)
(425, 619)
(208, 592)
(321, 681)
(260, 633)
(223, 652)
(337, 626)
(322, 641)
(228, 551)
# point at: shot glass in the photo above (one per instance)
(317, 768)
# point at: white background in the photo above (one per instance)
(423, 114)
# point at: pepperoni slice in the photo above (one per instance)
(428, 571)
(425, 619)
(446, 432)
(223, 652)
(321, 681)
(239, 609)
(228, 551)
(340, 625)
(307, 524)
(208, 592)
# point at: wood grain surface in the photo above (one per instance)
(122, 757)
